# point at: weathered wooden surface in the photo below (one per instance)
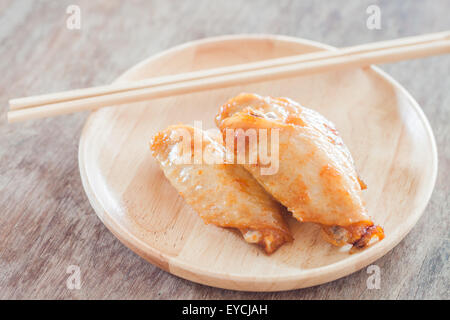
(46, 222)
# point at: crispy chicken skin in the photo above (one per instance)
(316, 178)
(222, 194)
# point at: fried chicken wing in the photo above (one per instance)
(316, 179)
(223, 194)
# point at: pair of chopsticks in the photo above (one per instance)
(49, 105)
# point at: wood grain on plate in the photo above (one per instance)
(389, 137)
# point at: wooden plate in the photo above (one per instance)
(384, 128)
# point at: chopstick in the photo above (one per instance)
(27, 102)
(357, 56)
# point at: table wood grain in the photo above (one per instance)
(46, 222)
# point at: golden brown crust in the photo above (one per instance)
(359, 234)
(316, 179)
(225, 195)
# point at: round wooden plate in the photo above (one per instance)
(384, 128)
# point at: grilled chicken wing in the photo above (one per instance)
(316, 178)
(222, 194)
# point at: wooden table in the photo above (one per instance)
(46, 222)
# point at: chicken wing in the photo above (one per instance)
(222, 194)
(316, 178)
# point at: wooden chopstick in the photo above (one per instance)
(33, 101)
(387, 51)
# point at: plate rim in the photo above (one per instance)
(326, 273)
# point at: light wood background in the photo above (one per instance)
(46, 222)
